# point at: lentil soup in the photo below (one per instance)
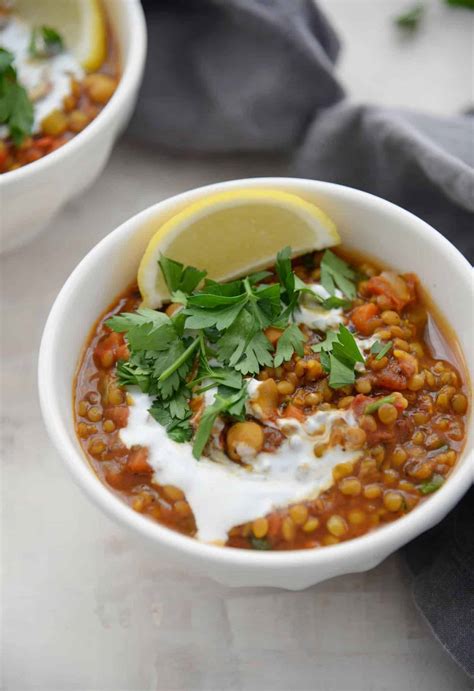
(345, 438)
(60, 96)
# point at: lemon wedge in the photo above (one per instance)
(233, 233)
(81, 24)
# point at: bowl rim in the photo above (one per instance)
(130, 77)
(381, 542)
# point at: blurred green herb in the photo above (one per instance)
(45, 42)
(16, 110)
(410, 20)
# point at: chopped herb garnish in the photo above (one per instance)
(375, 405)
(16, 110)
(291, 341)
(260, 543)
(45, 42)
(379, 349)
(432, 485)
(335, 272)
(461, 3)
(436, 452)
(171, 362)
(411, 18)
(339, 354)
(227, 401)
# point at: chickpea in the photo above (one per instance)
(288, 529)
(100, 87)
(313, 399)
(356, 517)
(172, 308)
(173, 493)
(350, 486)
(54, 124)
(459, 403)
(77, 120)
(285, 388)
(108, 426)
(265, 402)
(311, 525)
(273, 334)
(363, 385)
(336, 525)
(416, 381)
(260, 527)
(94, 414)
(299, 514)
(342, 470)
(372, 491)
(390, 318)
(115, 397)
(393, 501)
(399, 456)
(244, 439)
(387, 413)
(355, 437)
(82, 408)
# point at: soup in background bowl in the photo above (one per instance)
(64, 137)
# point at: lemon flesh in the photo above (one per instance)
(232, 234)
(81, 24)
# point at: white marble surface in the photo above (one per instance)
(83, 606)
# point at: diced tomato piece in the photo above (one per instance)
(138, 461)
(364, 318)
(393, 287)
(360, 403)
(117, 413)
(392, 377)
(294, 412)
(274, 524)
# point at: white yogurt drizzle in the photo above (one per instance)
(48, 76)
(223, 494)
(312, 313)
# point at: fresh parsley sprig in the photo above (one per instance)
(219, 337)
(45, 42)
(379, 349)
(335, 272)
(16, 109)
(339, 354)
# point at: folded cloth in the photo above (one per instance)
(234, 75)
(421, 162)
(258, 75)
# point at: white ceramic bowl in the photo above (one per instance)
(365, 222)
(31, 195)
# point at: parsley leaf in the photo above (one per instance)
(339, 354)
(336, 272)
(340, 374)
(410, 19)
(259, 543)
(45, 42)
(16, 110)
(291, 341)
(244, 347)
(379, 349)
(226, 401)
(375, 405)
(179, 278)
(174, 415)
(432, 485)
(327, 344)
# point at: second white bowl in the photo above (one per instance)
(31, 195)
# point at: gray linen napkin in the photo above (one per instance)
(258, 75)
